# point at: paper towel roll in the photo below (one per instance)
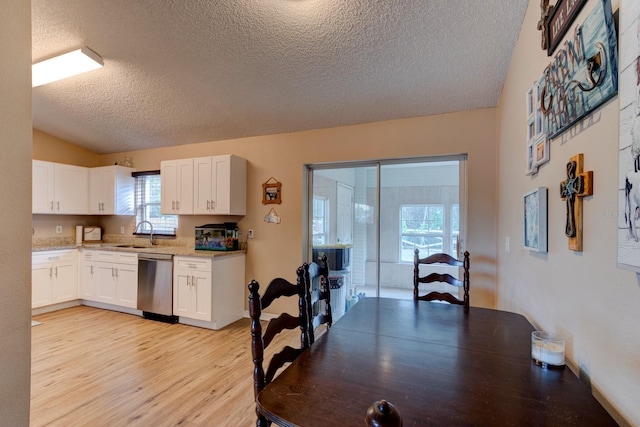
(78, 234)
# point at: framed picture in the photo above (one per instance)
(271, 192)
(629, 143)
(535, 220)
(542, 152)
(537, 142)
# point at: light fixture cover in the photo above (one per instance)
(66, 65)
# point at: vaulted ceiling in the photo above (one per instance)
(186, 71)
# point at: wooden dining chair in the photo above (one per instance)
(441, 258)
(260, 341)
(319, 301)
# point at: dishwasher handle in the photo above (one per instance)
(154, 257)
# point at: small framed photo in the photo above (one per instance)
(535, 219)
(542, 152)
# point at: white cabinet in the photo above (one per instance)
(54, 277)
(209, 291)
(111, 190)
(177, 187)
(59, 189)
(110, 277)
(192, 288)
(220, 185)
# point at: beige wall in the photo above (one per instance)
(583, 296)
(52, 149)
(276, 249)
(15, 179)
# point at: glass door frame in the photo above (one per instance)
(307, 197)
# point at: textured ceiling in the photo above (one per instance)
(187, 71)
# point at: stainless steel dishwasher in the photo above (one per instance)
(155, 287)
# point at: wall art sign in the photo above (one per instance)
(577, 185)
(560, 18)
(583, 73)
(629, 144)
(535, 219)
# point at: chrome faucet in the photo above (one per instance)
(150, 226)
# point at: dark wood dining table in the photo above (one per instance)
(437, 365)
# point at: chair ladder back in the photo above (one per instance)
(441, 258)
(319, 298)
(277, 288)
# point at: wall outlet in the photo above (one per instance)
(121, 230)
(250, 233)
(58, 229)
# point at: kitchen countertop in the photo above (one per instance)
(156, 249)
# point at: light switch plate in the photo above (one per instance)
(58, 229)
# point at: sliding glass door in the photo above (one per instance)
(369, 217)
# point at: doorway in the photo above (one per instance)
(369, 217)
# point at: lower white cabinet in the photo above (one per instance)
(209, 292)
(192, 288)
(110, 277)
(54, 277)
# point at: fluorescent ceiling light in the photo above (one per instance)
(69, 64)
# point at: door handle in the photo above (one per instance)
(50, 272)
(188, 282)
(56, 272)
(173, 205)
(178, 205)
(208, 205)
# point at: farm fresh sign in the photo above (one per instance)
(583, 73)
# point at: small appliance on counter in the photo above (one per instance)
(217, 237)
(92, 233)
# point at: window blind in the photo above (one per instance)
(148, 193)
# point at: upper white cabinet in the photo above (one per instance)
(177, 187)
(220, 185)
(111, 190)
(59, 189)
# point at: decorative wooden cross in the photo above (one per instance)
(577, 185)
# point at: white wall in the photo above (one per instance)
(15, 212)
(581, 295)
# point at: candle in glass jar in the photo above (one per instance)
(547, 349)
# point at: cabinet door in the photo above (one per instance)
(221, 185)
(65, 287)
(42, 194)
(106, 283)
(177, 186)
(182, 305)
(71, 189)
(185, 186)
(201, 295)
(101, 190)
(89, 281)
(41, 285)
(202, 185)
(127, 285)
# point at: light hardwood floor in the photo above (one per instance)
(93, 367)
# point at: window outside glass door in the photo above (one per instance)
(368, 218)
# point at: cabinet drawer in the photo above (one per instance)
(44, 257)
(127, 258)
(105, 256)
(189, 263)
